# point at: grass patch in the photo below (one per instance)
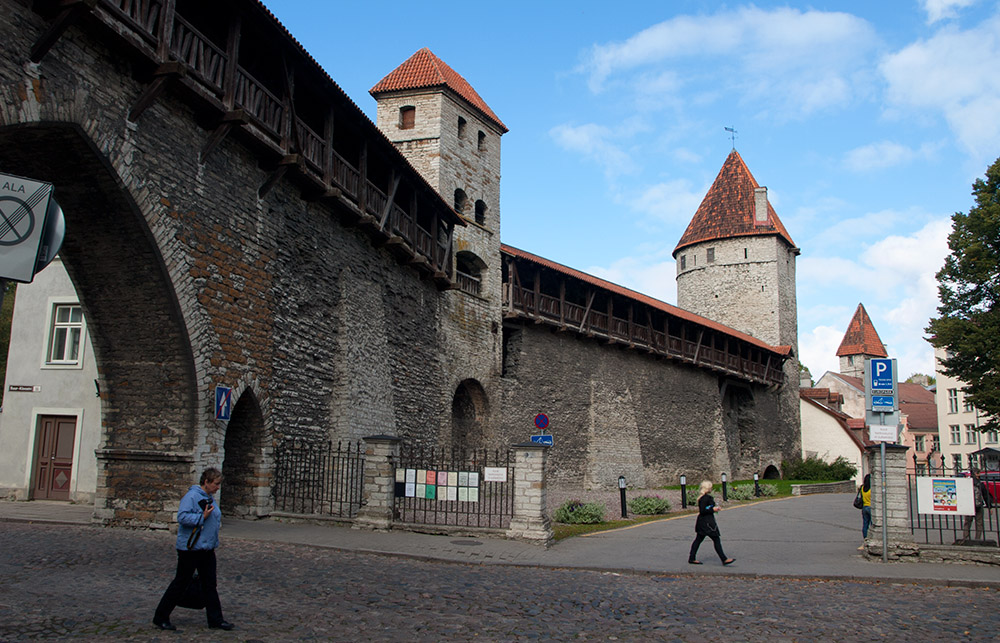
(561, 530)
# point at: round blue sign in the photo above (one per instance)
(541, 420)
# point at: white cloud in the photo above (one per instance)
(941, 9)
(818, 349)
(877, 156)
(597, 143)
(799, 61)
(671, 201)
(644, 274)
(952, 74)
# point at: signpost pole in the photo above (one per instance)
(885, 528)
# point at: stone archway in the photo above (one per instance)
(469, 411)
(142, 348)
(772, 473)
(247, 478)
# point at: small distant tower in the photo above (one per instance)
(736, 261)
(860, 342)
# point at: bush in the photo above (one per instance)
(576, 512)
(813, 468)
(649, 505)
(745, 491)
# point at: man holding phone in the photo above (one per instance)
(198, 519)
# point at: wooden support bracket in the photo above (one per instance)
(69, 12)
(290, 160)
(163, 75)
(235, 118)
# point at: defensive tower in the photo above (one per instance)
(860, 342)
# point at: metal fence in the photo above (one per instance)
(455, 488)
(945, 529)
(318, 478)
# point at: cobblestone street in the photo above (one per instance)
(102, 584)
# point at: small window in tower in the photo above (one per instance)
(711, 255)
(694, 260)
(460, 200)
(746, 253)
(481, 212)
(684, 262)
(407, 117)
(481, 145)
(461, 127)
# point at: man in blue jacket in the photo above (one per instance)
(199, 519)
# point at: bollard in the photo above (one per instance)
(621, 488)
(756, 486)
(725, 491)
(684, 493)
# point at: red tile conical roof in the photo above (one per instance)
(728, 209)
(861, 338)
(424, 70)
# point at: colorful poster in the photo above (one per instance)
(944, 494)
(453, 478)
(430, 491)
(432, 477)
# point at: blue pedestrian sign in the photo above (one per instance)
(223, 402)
(883, 403)
(881, 375)
(542, 439)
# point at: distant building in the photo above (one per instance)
(958, 421)
(51, 419)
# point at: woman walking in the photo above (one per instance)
(706, 526)
(866, 507)
(199, 519)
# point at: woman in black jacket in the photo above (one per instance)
(706, 526)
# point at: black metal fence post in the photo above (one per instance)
(756, 486)
(725, 490)
(684, 495)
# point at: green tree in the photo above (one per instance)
(968, 322)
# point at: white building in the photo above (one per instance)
(50, 423)
(958, 420)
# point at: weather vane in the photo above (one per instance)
(732, 135)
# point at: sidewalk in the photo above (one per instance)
(813, 536)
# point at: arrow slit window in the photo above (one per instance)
(65, 335)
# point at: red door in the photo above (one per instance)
(54, 457)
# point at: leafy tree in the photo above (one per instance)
(968, 322)
(921, 379)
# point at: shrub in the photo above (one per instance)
(576, 512)
(692, 496)
(649, 505)
(812, 468)
(740, 492)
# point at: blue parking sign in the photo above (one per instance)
(223, 402)
(880, 375)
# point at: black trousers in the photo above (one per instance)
(187, 561)
(716, 540)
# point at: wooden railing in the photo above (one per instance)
(468, 283)
(549, 309)
(208, 64)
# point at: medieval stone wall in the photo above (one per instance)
(615, 411)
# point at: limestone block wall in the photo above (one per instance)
(615, 412)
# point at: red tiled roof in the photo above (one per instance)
(728, 209)
(915, 401)
(424, 70)
(643, 299)
(861, 338)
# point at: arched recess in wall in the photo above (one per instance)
(143, 352)
(469, 272)
(461, 201)
(246, 476)
(469, 411)
(481, 212)
(772, 473)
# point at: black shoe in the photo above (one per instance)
(221, 625)
(165, 625)
(729, 561)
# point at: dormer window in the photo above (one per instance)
(461, 127)
(407, 117)
(481, 144)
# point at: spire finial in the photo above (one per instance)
(732, 135)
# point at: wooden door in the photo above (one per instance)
(54, 457)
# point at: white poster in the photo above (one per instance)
(945, 496)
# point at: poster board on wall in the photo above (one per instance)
(945, 496)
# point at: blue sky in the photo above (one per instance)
(867, 121)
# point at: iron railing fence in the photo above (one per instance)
(456, 488)
(945, 529)
(318, 478)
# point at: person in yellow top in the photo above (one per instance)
(866, 506)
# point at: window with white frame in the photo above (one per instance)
(956, 462)
(918, 443)
(956, 434)
(953, 400)
(991, 437)
(967, 405)
(936, 443)
(65, 335)
(921, 469)
(971, 434)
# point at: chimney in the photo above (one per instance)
(760, 206)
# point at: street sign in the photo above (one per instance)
(883, 403)
(542, 439)
(882, 432)
(881, 374)
(223, 402)
(541, 421)
(31, 227)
